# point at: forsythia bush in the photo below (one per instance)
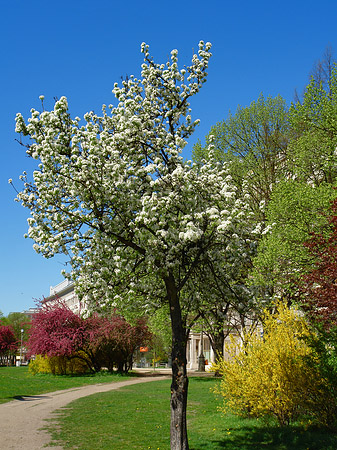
(39, 365)
(57, 365)
(274, 375)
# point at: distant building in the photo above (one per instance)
(30, 312)
(65, 292)
(194, 346)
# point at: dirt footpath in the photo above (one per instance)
(21, 420)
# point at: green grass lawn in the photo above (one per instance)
(137, 417)
(17, 381)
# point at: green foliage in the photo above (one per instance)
(274, 376)
(159, 325)
(253, 140)
(324, 345)
(300, 203)
(295, 211)
(252, 132)
(18, 321)
(312, 155)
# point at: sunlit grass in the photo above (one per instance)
(17, 381)
(137, 417)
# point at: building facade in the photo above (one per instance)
(65, 292)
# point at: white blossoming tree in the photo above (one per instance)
(116, 196)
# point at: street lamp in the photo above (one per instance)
(201, 360)
(22, 330)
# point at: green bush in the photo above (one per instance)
(324, 345)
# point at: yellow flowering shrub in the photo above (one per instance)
(39, 365)
(273, 374)
(57, 365)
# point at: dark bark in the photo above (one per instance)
(217, 342)
(179, 385)
(216, 330)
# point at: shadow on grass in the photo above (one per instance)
(275, 438)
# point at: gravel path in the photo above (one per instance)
(21, 420)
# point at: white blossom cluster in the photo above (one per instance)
(116, 195)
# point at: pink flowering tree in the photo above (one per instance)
(99, 341)
(56, 331)
(112, 341)
(8, 342)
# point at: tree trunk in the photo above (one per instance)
(179, 385)
(217, 343)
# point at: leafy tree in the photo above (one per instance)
(8, 342)
(116, 195)
(18, 321)
(319, 299)
(324, 351)
(159, 324)
(274, 375)
(296, 210)
(300, 203)
(254, 141)
(312, 152)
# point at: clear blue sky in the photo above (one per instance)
(79, 48)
